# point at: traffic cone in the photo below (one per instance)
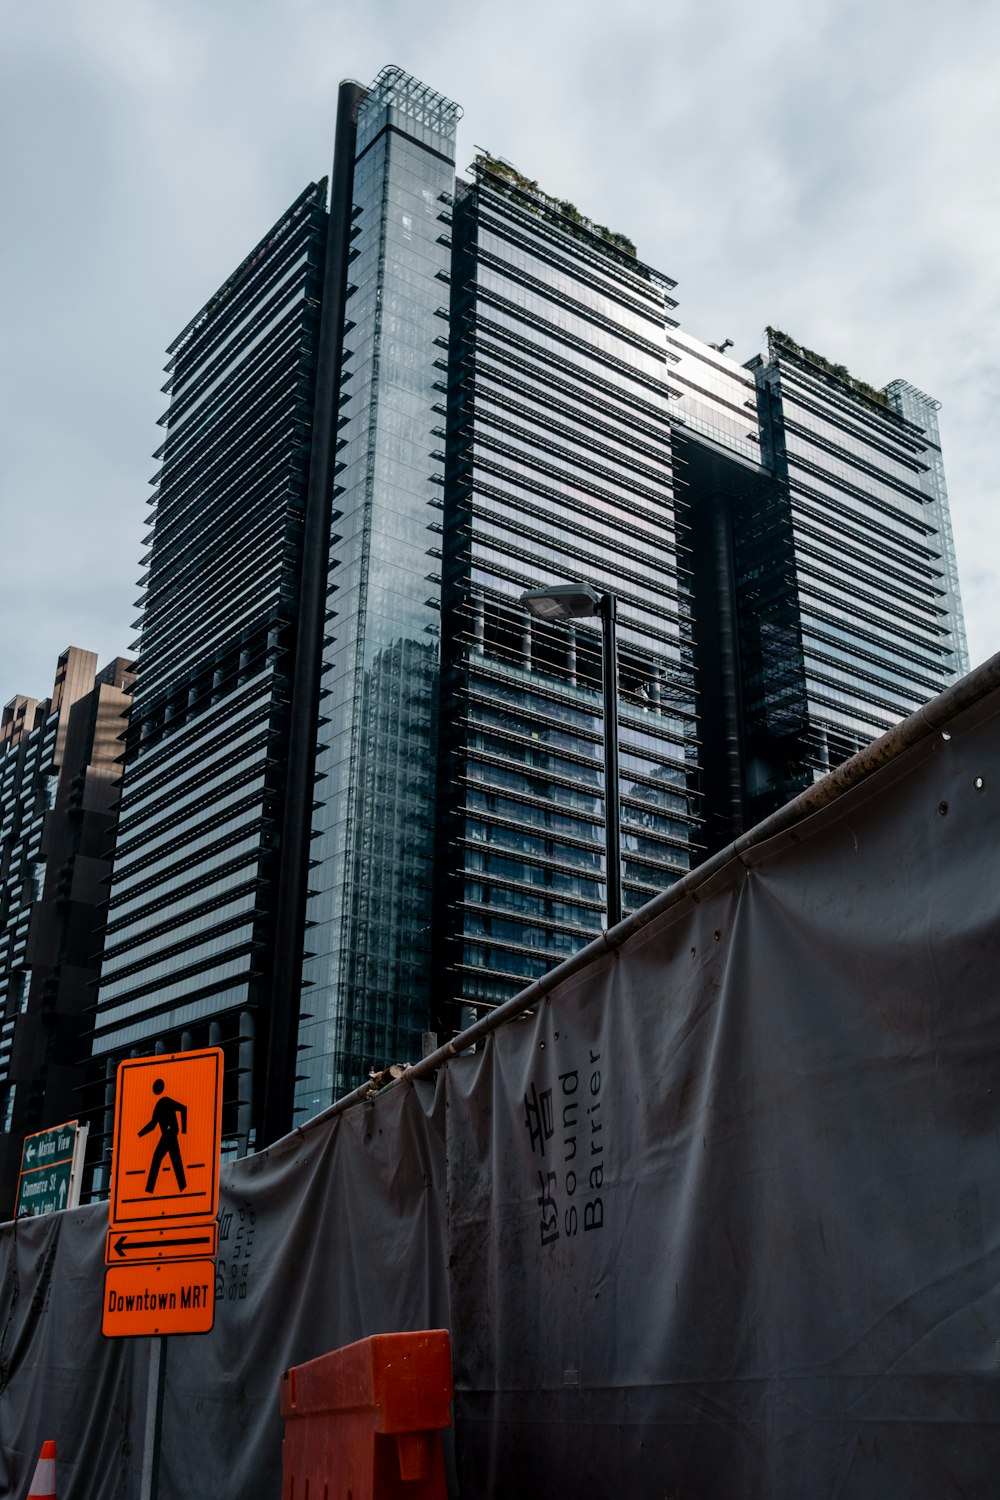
(43, 1486)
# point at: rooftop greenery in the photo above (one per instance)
(777, 340)
(558, 211)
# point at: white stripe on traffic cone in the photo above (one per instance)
(43, 1486)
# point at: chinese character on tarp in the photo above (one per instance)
(538, 1117)
(549, 1222)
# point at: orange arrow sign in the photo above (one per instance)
(178, 1242)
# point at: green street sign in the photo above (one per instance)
(49, 1170)
(42, 1192)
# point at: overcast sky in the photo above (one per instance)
(826, 166)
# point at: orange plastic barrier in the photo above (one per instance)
(366, 1420)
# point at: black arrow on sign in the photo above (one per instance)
(121, 1244)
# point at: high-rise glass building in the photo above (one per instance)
(189, 952)
(856, 520)
(367, 976)
(363, 793)
(833, 606)
(560, 467)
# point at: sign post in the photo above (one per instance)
(51, 1164)
(162, 1231)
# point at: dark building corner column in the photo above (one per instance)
(283, 1017)
(717, 660)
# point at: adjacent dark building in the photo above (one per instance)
(828, 602)
(363, 791)
(58, 777)
(206, 845)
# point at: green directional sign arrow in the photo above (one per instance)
(48, 1147)
(46, 1183)
(44, 1191)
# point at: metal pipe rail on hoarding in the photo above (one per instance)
(930, 719)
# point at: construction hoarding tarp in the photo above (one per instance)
(718, 1220)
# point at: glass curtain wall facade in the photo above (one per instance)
(560, 468)
(192, 901)
(849, 615)
(366, 976)
(920, 411)
(716, 401)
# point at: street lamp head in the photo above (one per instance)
(562, 601)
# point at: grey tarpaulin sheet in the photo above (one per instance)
(719, 1221)
(323, 1239)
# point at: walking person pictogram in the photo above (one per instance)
(171, 1119)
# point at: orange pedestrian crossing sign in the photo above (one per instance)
(162, 1234)
(168, 1133)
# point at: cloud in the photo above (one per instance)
(824, 167)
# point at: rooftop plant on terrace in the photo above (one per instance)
(778, 340)
(558, 211)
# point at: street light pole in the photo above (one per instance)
(578, 601)
(608, 608)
